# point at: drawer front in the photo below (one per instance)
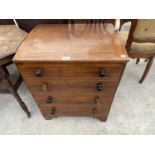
(73, 87)
(48, 100)
(97, 111)
(93, 71)
(68, 110)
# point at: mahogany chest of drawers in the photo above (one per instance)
(72, 74)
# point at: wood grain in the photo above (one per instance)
(54, 42)
(74, 87)
(75, 110)
(10, 39)
(71, 87)
(71, 70)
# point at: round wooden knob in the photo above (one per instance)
(49, 100)
(99, 86)
(39, 72)
(97, 100)
(45, 86)
(102, 73)
(53, 111)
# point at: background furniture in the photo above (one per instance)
(10, 38)
(140, 42)
(70, 75)
(29, 24)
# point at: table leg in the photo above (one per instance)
(14, 93)
(21, 103)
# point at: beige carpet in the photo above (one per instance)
(132, 112)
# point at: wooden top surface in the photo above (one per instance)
(54, 43)
(10, 39)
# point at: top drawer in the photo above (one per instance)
(73, 71)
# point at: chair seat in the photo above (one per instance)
(142, 48)
(10, 39)
(138, 48)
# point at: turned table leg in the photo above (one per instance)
(12, 90)
(21, 103)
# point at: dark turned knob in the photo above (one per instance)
(99, 86)
(102, 73)
(39, 72)
(53, 111)
(49, 99)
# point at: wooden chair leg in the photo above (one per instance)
(15, 94)
(137, 60)
(148, 66)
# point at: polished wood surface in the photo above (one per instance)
(61, 86)
(10, 39)
(71, 70)
(82, 84)
(56, 43)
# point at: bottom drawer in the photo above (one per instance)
(68, 110)
(99, 111)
